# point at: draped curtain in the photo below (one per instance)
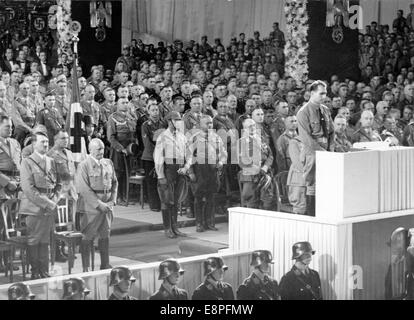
(190, 19)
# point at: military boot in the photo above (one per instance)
(33, 255)
(44, 260)
(209, 215)
(198, 210)
(85, 249)
(166, 220)
(60, 256)
(174, 222)
(310, 206)
(103, 246)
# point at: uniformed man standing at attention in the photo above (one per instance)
(259, 286)
(10, 158)
(97, 185)
(170, 272)
(122, 280)
(315, 132)
(255, 159)
(41, 187)
(170, 157)
(301, 282)
(121, 133)
(150, 131)
(66, 171)
(75, 289)
(207, 157)
(214, 288)
(50, 117)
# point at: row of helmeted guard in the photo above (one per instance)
(300, 283)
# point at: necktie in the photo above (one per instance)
(266, 279)
(175, 291)
(323, 123)
(220, 285)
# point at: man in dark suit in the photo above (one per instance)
(44, 69)
(22, 62)
(8, 63)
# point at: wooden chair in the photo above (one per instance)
(13, 230)
(137, 179)
(65, 231)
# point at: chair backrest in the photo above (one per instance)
(281, 180)
(11, 218)
(64, 213)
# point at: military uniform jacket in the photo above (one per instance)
(164, 294)
(340, 143)
(253, 288)
(66, 169)
(10, 158)
(365, 135)
(150, 131)
(253, 154)
(63, 104)
(38, 176)
(408, 135)
(170, 148)
(26, 108)
(120, 131)
(106, 110)
(315, 126)
(37, 101)
(282, 151)
(239, 122)
(225, 129)
(277, 127)
(294, 285)
(191, 120)
(91, 108)
(95, 183)
(165, 108)
(206, 148)
(52, 120)
(206, 291)
(296, 170)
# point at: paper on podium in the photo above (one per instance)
(372, 145)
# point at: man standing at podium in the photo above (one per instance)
(315, 130)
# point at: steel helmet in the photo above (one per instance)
(261, 256)
(173, 115)
(168, 267)
(20, 291)
(119, 274)
(212, 264)
(74, 286)
(300, 248)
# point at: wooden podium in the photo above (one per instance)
(361, 198)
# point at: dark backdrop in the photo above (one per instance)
(91, 51)
(325, 56)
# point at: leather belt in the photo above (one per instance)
(46, 190)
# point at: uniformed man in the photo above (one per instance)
(170, 272)
(10, 158)
(166, 104)
(282, 143)
(340, 142)
(207, 157)
(121, 133)
(28, 145)
(66, 171)
(213, 287)
(366, 132)
(295, 180)
(390, 132)
(107, 107)
(170, 157)
(277, 128)
(151, 129)
(20, 291)
(27, 112)
(88, 104)
(97, 186)
(255, 160)
(50, 117)
(122, 280)
(315, 131)
(408, 135)
(75, 289)
(301, 282)
(191, 118)
(259, 285)
(63, 99)
(41, 191)
(249, 107)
